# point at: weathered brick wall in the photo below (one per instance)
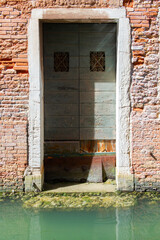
(14, 86)
(145, 121)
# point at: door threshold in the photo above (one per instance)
(70, 187)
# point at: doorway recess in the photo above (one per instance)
(124, 178)
(79, 101)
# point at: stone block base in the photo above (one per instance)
(125, 182)
(146, 186)
(33, 183)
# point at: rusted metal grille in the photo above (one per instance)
(61, 62)
(97, 61)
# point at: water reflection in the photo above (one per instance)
(139, 222)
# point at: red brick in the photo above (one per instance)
(19, 20)
(140, 9)
(145, 25)
(152, 9)
(5, 13)
(5, 20)
(5, 28)
(23, 68)
(20, 60)
(9, 24)
(6, 8)
(19, 36)
(2, 32)
(137, 17)
(5, 36)
(15, 13)
(22, 56)
(21, 64)
(135, 21)
(130, 14)
(152, 14)
(145, 21)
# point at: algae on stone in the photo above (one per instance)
(81, 200)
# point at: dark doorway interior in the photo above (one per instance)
(79, 101)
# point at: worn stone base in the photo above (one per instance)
(147, 186)
(125, 182)
(34, 183)
(107, 187)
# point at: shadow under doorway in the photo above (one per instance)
(79, 102)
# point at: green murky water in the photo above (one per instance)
(137, 222)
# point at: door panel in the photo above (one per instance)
(98, 121)
(61, 134)
(98, 133)
(63, 84)
(63, 122)
(73, 74)
(99, 95)
(86, 109)
(61, 97)
(61, 110)
(61, 87)
(89, 85)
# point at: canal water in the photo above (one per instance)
(141, 222)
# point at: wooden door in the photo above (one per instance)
(79, 94)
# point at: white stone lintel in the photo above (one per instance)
(78, 14)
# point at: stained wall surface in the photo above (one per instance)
(144, 89)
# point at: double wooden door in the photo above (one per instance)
(79, 81)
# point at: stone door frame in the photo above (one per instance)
(124, 178)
